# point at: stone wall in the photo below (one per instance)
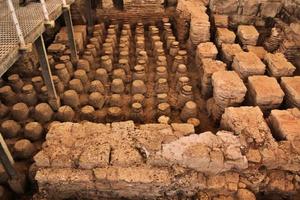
(161, 161)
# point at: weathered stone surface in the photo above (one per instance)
(268, 95)
(206, 50)
(229, 51)
(95, 161)
(206, 71)
(258, 51)
(224, 7)
(220, 20)
(206, 152)
(224, 36)
(285, 123)
(244, 121)
(247, 64)
(228, 88)
(291, 88)
(248, 35)
(278, 65)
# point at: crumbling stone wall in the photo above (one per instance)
(161, 161)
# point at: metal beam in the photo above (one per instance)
(89, 14)
(6, 159)
(69, 24)
(53, 99)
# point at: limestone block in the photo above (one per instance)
(229, 51)
(248, 122)
(182, 129)
(270, 9)
(291, 88)
(250, 7)
(285, 123)
(199, 28)
(206, 50)
(247, 34)
(220, 20)
(253, 155)
(94, 156)
(278, 65)
(228, 88)
(224, 35)
(206, 153)
(209, 67)
(247, 64)
(224, 6)
(268, 95)
(258, 51)
(65, 183)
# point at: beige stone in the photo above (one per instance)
(278, 65)
(248, 64)
(285, 123)
(291, 88)
(268, 95)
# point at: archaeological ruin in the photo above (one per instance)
(152, 99)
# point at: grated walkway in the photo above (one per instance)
(31, 21)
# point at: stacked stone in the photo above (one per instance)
(163, 108)
(278, 65)
(272, 43)
(229, 51)
(205, 50)
(285, 124)
(246, 64)
(268, 95)
(209, 66)
(224, 36)
(19, 110)
(200, 26)
(80, 36)
(248, 35)
(220, 21)
(290, 49)
(258, 51)
(56, 50)
(290, 86)
(228, 90)
(139, 78)
(244, 121)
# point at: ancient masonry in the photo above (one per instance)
(187, 99)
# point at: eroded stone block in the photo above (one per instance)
(278, 65)
(206, 50)
(206, 71)
(224, 35)
(291, 88)
(264, 92)
(228, 88)
(285, 123)
(248, 64)
(247, 34)
(249, 123)
(229, 51)
(258, 51)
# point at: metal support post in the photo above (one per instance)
(89, 14)
(23, 46)
(53, 99)
(16, 180)
(48, 22)
(72, 44)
